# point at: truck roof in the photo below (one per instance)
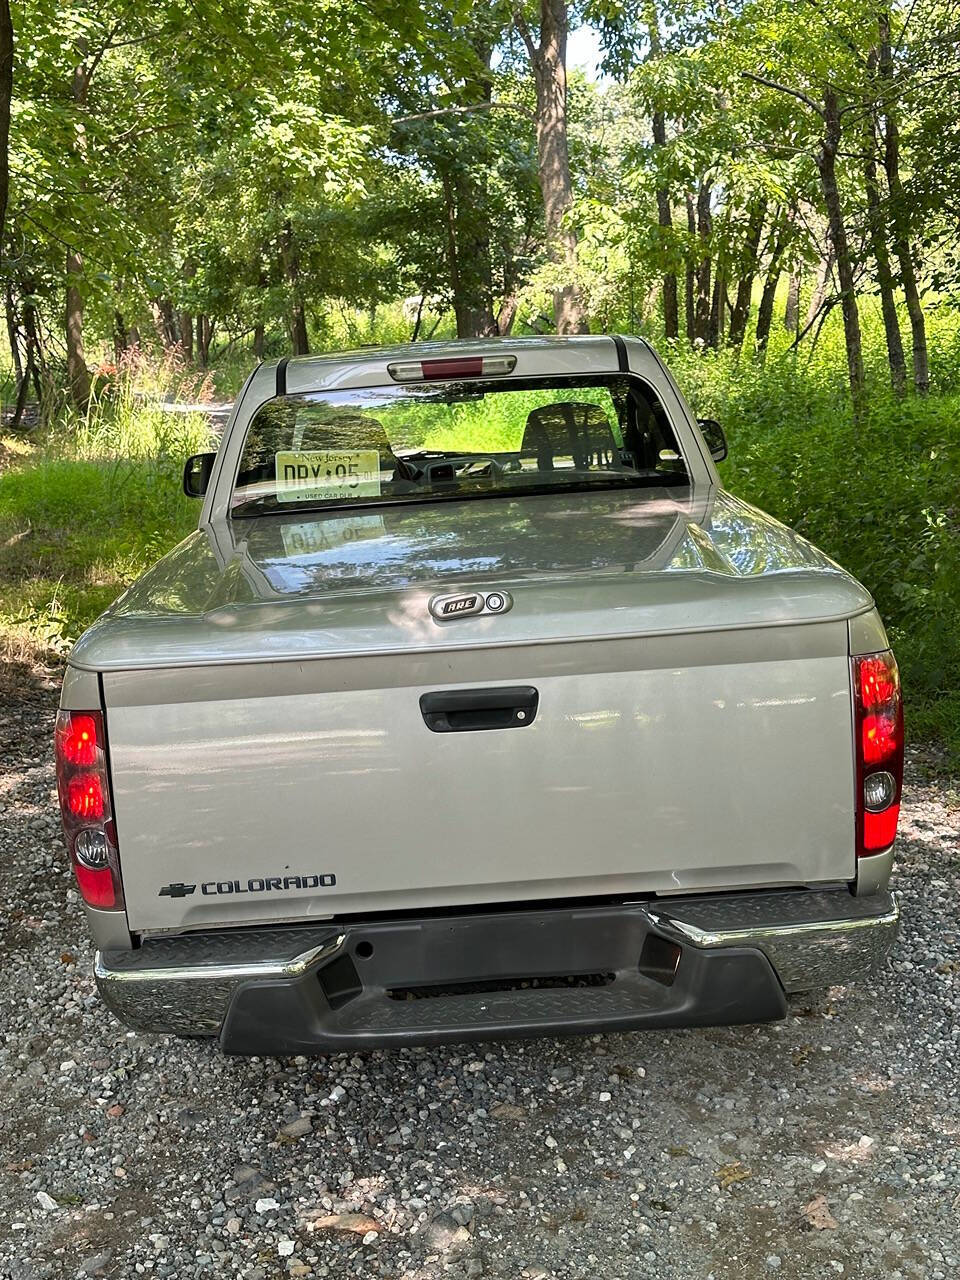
(585, 352)
(537, 356)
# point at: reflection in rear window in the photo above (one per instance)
(426, 442)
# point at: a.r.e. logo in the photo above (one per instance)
(467, 604)
(460, 604)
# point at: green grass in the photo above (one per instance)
(73, 535)
(492, 424)
(85, 509)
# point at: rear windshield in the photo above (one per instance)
(426, 442)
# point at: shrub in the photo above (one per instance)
(882, 499)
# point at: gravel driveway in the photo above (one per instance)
(825, 1145)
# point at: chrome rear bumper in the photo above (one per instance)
(810, 938)
(814, 938)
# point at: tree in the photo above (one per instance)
(756, 217)
(199, 175)
(462, 220)
(827, 165)
(548, 59)
(777, 244)
(815, 62)
(671, 322)
(6, 97)
(876, 229)
(900, 206)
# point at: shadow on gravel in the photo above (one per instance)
(22, 681)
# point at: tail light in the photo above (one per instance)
(879, 729)
(84, 790)
(451, 367)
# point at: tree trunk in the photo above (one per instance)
(185, 326)
(78, 375)
(453, 256)
(259, 328)
(716, 310)
(12, 334)
(508, 313)
(204, 338)
(824, 271)
(473, 306)
(741, 307)
(468, 261)
(881, 256)
(418, 318)
(301, 342)
(827, 167)
(765, 311)
(689, 289)
(31, 355)
(475, 318)
(21, 401)
(298, 315)
(465, 201)
(121, 338)
(791, 312)
(671, 318)
(777, 242)
(549, 63)
(166, 322)
(704, 227)
(6, 96)
(901, 213)
(184, 318)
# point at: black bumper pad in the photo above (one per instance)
(499, 975)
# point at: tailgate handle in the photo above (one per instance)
(455, 711)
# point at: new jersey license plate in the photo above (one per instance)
(320, 475)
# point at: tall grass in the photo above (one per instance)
(883, 499)
(88, 504)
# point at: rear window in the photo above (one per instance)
(429, 442)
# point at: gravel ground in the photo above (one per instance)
(824, 1145)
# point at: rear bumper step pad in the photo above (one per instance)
(667, 962)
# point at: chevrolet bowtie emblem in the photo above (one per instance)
(177, 890)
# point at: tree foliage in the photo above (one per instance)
(196, 173)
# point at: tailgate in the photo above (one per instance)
(295, 790)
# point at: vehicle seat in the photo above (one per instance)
(349, 433)
(570, 429)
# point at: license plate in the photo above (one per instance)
(327, 474)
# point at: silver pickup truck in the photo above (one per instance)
(476, 707)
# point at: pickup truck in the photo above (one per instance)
(476, 707)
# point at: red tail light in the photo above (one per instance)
(79, 742)
(84, 790)
(879, 729)
(85, 796)
(451, 367)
